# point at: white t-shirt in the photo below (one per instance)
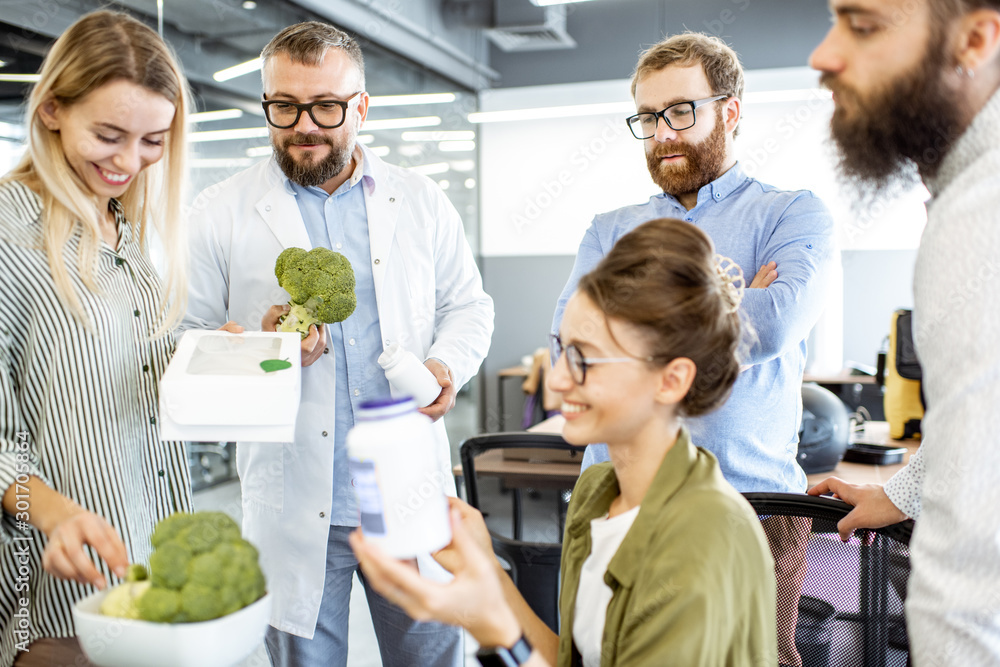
(593, 595)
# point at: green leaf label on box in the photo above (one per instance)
(272, 365)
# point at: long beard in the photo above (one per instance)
(310, 172)
(890, 138)
(703, 164)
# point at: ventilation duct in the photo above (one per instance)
(549, 33)
(512, 25)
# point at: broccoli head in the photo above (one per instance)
(320, 283)
(200, 569)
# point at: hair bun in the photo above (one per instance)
(733, 284)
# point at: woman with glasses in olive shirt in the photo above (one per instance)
(663, 561)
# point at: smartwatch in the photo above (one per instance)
(500, 656)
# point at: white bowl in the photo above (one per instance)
(121, 642)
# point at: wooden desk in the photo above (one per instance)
(865, 473)
(839, 378)
(534, 474)
(525, 474)
(538, 474)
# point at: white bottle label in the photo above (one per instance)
(369, 497)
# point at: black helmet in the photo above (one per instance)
(825, 429)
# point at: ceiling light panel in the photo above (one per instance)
(221, 114)
(438, 135)
(401, 123)
(402, 100)
(237, 70)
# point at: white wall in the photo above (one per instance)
(11, 145)
(542, 181)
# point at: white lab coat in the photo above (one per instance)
(430, 300)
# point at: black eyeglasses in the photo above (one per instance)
(680, 116)
(327, 114)
(578, 363)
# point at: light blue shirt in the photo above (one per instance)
(340, 222)
(755, 433)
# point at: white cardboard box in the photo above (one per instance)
(214, 389)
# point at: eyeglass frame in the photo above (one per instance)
(557, 350)
(662, 114)
(308, 107)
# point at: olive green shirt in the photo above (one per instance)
(693, 581)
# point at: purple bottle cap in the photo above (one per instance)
(385, 407)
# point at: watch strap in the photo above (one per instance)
(501, 656)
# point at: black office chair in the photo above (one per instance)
(850, 611)
(533, 565)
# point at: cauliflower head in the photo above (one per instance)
(320, 283)
(200, 569)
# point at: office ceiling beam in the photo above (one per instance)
(382, 23)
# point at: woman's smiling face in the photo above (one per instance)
(112, 134)
(616, 401)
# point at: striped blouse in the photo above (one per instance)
(77, 409)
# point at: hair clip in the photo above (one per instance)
(733, 282)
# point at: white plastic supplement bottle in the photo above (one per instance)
(397, 477)
(408, 376)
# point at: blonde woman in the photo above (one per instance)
(663, 562)
(85, 327)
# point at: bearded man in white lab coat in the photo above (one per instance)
(417, 285)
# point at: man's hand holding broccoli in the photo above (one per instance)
(313, 345)
(320, 284)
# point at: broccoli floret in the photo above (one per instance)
(136, 572)
(210, 530)
(169, 565)
(200, 602)
(204, 570)
(200, 569)
(168, 528)
(159, 605)
(320, 283)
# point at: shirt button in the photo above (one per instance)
(339, 246)
(357, 392)
(324, 434)
(392, 199)
(326, 350)
(322, 514)
(351, 341)
(160, 473)
(119, 261)
(267, 208)
(152, 420)
(137, 313)
(145, 368)
(718, 195)
(377, 261)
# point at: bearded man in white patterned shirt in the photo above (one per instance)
(915, 85)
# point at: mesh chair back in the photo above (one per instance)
(533, 565)
(839, 604)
